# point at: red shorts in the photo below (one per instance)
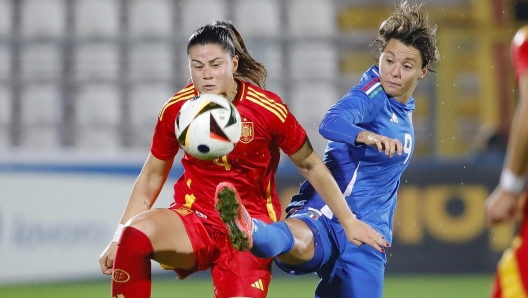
(511, 276)
(234, 273)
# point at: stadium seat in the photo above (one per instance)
(313, 94)
(41, 116)
(5, 116)
(4, 138)
(313, 60)
(150, 18)
(5, 17)
(5, 106)
(41, 105)
(311, 18)
(97, 62)
(146, 101)
(268, 52)
(261, 18)
(43, 18)
(5, 63)
(151, 61)
(197, 13)
(97, 139)
(98, 105)
(41, 62)
(97, 112)
(97, 18)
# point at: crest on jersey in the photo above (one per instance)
(183, 211)
(312, 215)
(248, 132)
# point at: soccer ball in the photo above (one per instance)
(208, 126)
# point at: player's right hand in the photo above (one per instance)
(106, 260)
(383, 143)
(359, 232)
(501, 206)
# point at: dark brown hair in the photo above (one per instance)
(225, 35)
(410, 26)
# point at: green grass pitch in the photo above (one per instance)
(396, 286)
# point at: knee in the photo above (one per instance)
(144, 222)
(303, 237)
(303, 247)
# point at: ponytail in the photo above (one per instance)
(248, 68)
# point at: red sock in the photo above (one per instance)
(132, 277)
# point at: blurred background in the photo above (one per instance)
(82, 81)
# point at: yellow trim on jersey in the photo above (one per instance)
(243, 84)
(509, 275)
(272, 102)
(184, 90)
(269, 204)
(278, 109)
(260, 103)
(189, 200)
(182, 95)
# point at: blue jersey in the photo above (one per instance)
(368, 179)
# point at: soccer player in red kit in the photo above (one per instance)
(511, 278)
(189, 235)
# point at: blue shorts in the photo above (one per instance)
(345, 269)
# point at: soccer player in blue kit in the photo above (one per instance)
(371, 141)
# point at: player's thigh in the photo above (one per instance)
(168, 236)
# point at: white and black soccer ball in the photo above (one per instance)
(208, 126)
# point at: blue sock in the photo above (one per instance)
(270, 240)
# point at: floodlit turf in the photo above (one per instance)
(434, 286)
(401, 286)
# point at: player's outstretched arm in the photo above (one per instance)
(502, 204)
(315, 171)
(144, 193)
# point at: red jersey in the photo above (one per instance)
(519, 49)
(267, 127)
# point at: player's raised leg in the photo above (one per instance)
(264, 240)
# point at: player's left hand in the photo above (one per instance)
(359, 232)
(501, 206)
